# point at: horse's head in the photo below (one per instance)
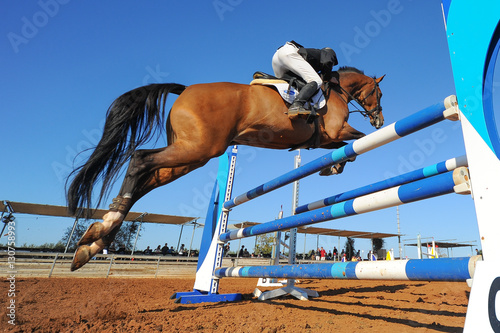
(365, 91)
(369, 99)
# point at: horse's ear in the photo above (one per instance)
(380, 79)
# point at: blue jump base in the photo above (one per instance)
(196, 296)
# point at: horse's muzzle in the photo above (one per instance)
(377, 121)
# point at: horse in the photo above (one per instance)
(203, 121)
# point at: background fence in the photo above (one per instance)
(51, 264)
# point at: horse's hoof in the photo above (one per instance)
(81, 257)
(326, 171)
(93, 233)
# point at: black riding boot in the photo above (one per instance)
(297, 107)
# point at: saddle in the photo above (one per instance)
(288, 87)
(289, 77)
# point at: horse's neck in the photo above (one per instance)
(352, 83)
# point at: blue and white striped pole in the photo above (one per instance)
(457, 180)
(424, 118)
(443, 269)
(412, 176)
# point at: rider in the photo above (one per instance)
(306, 63)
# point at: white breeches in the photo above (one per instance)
(287, 58)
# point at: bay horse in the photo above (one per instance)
(204, 120)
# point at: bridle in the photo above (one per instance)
(373, 112)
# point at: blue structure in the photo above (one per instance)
(211, 251)
(473, 31)
(206, 284)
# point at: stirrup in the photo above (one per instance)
(296, 109)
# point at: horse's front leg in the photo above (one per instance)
(349, 133)
(335, 169)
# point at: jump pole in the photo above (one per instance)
(444, 269)
(406, 178)
(453, 181)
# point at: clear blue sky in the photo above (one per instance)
(64, 62)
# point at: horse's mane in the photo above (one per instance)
(349, 69)
(344, 69)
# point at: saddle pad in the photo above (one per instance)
(318, 100)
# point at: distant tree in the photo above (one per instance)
(126, 235)
(56, 247)
(124, 238)
(378, 243)
(80, 229)
(264, 244)
(350, 251)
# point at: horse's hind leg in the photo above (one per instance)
(194, 146)
(101, 235)
(147, 170)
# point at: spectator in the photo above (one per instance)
(165, 250)
(147, 250)
(242, 250)
(335, 253)
(322, 254)
(318, 254)
(226, 249)
(158, 250)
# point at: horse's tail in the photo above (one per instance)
(131, 121)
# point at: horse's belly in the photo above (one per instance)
(269, 138)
